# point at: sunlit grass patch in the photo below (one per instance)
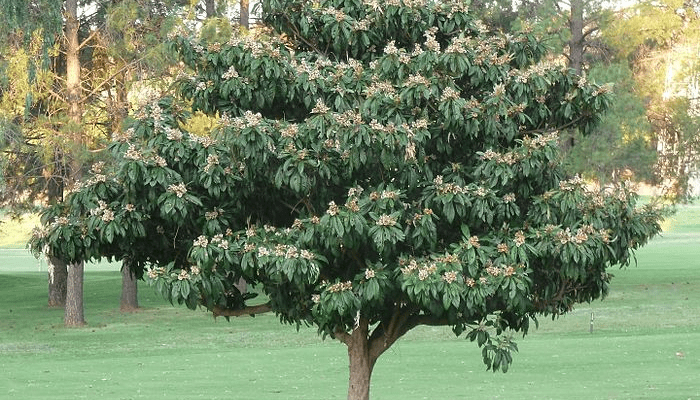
(15, 232)
(645, 344)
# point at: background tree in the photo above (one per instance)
(622, 145)
(31, 120)
(376, 167)
(659, 40)
(65, 93)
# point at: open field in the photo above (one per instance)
(645, 344)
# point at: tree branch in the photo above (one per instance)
(89, 38)
(248, 310)
(98, 87)
(341, 335)
(388, 332)
(590, 31)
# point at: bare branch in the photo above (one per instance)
(99, 87)
(88, 39)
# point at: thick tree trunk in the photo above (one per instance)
(75, 315)
(129, 300)
(58, 275)
(361, 364)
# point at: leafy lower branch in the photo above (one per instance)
(248, 310)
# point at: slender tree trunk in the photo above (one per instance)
(129, 301)
(576, 43)
(75, 315)
(575, 51)
(73, 89)
(210, 8)
(245, 7)
(58, 275)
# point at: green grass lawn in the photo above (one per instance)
(645, 344)
(14, 233)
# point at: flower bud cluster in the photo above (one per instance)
(340, 287)
(179, 189)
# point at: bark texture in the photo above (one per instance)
(576, 44)
(73, 89)
(75, 315)
(129, 301)
(210, 8)
(245, 13)
(365, 347)
(58, 275)
(361, 364)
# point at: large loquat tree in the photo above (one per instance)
(376, 167)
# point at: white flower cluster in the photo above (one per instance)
(348, 118)
(416, 80)
(390, 48)
(503, 269)
(460, 45)
(290, 131)
(509, 198)
(61, 221)
(582, 234)
(103, 211)
(219, 241)
(251, 43)
(205, 141)
(333, 209)
(449, 276)
(424, 270)
(340, 287)
(97, 168)
(155, 272)
(339, 15)
(386, 220)
(201, 241)
(133, 154)
(320, 107)
(431, 44)
(383, 88)
(183, 275)
(537, 70)
(123, 137)
(179, 189)
(449, 94)
(249, 120)
(173, 134)
(571, 184)
(231, 73)
(160, 161)
(212, 160)
(509, 158)
(541, 141)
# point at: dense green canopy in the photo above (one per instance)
(376, 166)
